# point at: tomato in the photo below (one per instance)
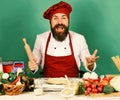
(91, 80)
(87, 85)
(94, 90)
(93, 86)
(99, 89)
(104, 82)
(89, 89)
(107, 78)
(87, 92)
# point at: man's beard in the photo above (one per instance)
(59, 36)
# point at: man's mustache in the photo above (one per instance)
(60, 25)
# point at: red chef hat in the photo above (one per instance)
(61, 7)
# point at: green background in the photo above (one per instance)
(97, 20)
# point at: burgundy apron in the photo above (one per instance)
(60, 66)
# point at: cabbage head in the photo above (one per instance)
(115, 82)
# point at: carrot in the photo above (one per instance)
(15, 81)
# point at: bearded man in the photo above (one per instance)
(60, 51)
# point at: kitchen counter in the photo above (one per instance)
(53, 96)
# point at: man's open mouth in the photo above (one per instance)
(60, 29)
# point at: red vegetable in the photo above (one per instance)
(15, 81)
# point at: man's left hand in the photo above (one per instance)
(91, 60)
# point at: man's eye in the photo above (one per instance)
(55, 18)
(64, 18)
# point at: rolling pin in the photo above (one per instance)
(28, 50)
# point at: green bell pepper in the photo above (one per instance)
(12, 76)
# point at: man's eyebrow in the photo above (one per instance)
(54, 16)
(64, 15)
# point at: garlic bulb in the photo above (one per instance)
(5, 76)
(93, 75)
(86, 75)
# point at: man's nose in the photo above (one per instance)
(59, 21)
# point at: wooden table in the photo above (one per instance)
(54, 96)
(57, 96)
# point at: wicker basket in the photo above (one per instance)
(13, 89)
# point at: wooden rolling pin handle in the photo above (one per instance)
(28, 50)
(24, 40)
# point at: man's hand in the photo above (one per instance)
(91, 60)
(32, 64)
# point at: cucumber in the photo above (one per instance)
(5, 81)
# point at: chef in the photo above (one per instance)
(60, 51)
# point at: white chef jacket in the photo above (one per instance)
(57, 48)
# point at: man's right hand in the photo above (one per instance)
(32, 64)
